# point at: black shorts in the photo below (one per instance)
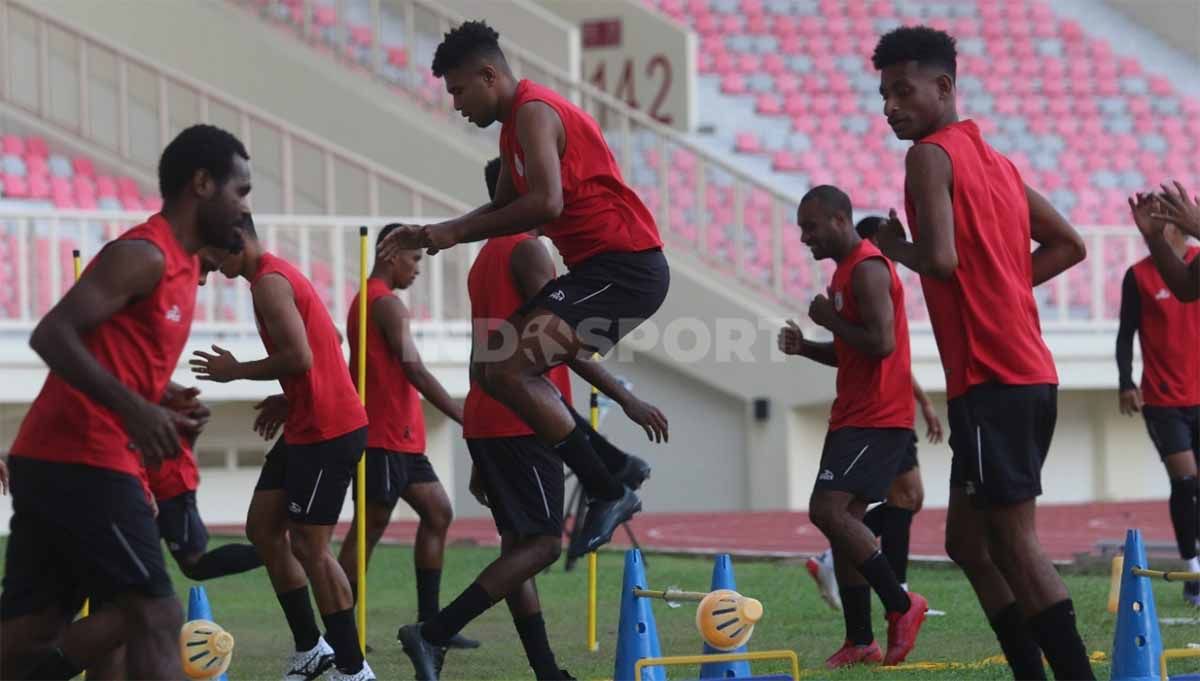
(390, 473)
(606, 296)
(524, 483)
(909, 460)
(315, 476)
(862, 461)
(1173, 429)
(78, 530)
(1000, 436)
(180, 525)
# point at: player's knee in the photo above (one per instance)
(437, 517)
(823, 514)
(547, 550)
(305, 548)
(908, 498)
(152, 616)
(968, 552)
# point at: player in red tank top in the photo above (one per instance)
(302, 487)
(397, 467)
(972, 219)
(871, 423)
(1152, 212)
(81, 521)
(1169, 397)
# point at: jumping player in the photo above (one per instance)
(558, 172)
(397, 467)
(972, 218)
(82, 523)
(1169, 397)
(302, 487)
(871, 425)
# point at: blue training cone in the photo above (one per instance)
(722, 578)
(199, 609)
(1137, 644)
(637, 634)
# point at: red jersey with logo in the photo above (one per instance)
(601, 214)
(494, 297)
(872, 392)
(393, 405)
(322, 402)
(140, 345)
(984, 317)
(1169, 333)
(174, 476)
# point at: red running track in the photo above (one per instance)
(1065, 531)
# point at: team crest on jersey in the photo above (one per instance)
(174, 314)
(1162, 294)
(838, 301)
(518, 165)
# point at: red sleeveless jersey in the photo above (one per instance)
(393, 404)
(871, 392)
(322, 402)
(1169, 332)
(984, 317)
(494, 297)
(140, 345)
(174, 476)
(601, 214)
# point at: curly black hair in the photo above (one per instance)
(468, 40)
(833, 199)
(869, 226)
(200, 147)
(922, 44)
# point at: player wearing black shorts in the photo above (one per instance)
(1169, 396)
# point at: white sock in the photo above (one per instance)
(1194, 564)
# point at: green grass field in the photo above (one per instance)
(795, 618)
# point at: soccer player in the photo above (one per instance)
(871, 424)
(1151, 213)
(559, 173)
(972, 218)
(82, 523)
(1169, 396)
(302, 487)
(396, 463)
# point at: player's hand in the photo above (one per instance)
(154, 431)
(403, 238)
(649, 418)
(1130, 401)
(221, 367)
(476, 486)
(184, 401)
(3, 477)
(272, 414)
(933, 424)
(891, 234)
(790, 339)
(1143, 207)
(1175, 207)
(821, 311)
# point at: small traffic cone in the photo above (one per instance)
(637, 633)
(199, 609)
(722, 578)
(1137, 644)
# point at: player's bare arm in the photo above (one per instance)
(123, 273)
(791, 341)
(933, 424)
(275, 303)
(928, 179)
(1059, 245)
(876, 336)
(390, 313)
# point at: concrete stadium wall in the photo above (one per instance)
(1177, 21)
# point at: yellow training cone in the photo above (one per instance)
(206, 649)
(726, 619)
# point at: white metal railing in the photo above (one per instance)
(126, 107)
(36, 245)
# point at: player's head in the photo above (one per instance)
(868, 228)
(400, 270)
(235, 263)
(205, 172)
(469, 59)
(491, 175)
(917, 69)
(825, 221)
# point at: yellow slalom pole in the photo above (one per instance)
(360, 482)
(592, 644)
(1166, 576)
(77, 260)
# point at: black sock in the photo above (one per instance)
(470, 604)
(879, 575)
(577, 452)
(532, 630)
(874, 519)
(224, 560)
(613, 458)
(55, 665)
(856, 610)
(429, 583)
(897, 522)
(1017, 642)
(342, 634)
(1183, 515)
(1058, 637)
(297, 608)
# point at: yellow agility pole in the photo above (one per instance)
(360, 481)
(1166, 576)
(77, 261)
(787, 655)
(592, 644)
